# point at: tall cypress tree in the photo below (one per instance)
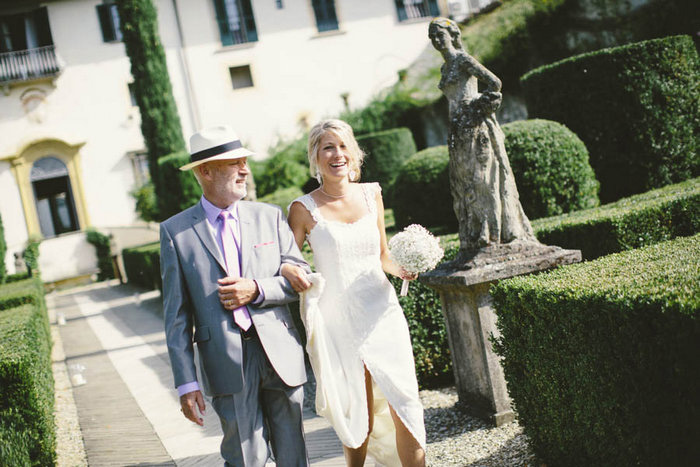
(160, 122)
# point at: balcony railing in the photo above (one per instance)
(28, 65)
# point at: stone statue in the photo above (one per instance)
(485, 197)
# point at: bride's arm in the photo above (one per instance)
(388, 264)
(299, 219)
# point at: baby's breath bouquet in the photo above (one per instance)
(416, 250)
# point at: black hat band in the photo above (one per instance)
(215, 151)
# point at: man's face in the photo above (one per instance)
(227, 179)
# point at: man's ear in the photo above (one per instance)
(204, 171)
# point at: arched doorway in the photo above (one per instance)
(53, 196)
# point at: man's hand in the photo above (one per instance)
(296, 277)
(235, 292)
(189, 403)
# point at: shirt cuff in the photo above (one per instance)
(187, 388)
(261, 295)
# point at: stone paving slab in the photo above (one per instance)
(128, 409)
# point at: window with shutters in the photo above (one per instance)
(109, 22)
(236, 21)
(414, 9)
(326, 19)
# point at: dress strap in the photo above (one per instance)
(370, 190)
(308, 202)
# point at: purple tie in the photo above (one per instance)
(228, 240)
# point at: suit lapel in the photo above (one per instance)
(201, 226)
(246, 248)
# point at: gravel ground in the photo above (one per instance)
(457, 439)
(70, 451)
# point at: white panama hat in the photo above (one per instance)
(215, 143)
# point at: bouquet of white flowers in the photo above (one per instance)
(416, 250)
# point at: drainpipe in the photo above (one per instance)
(184, 64)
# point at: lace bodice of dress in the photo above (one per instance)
(344, 251)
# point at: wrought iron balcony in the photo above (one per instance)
(28, 65)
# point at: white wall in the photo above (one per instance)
(296, 72)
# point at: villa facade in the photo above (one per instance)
(71, 149)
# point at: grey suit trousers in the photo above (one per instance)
(268, 410)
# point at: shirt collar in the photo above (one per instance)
(212, 212)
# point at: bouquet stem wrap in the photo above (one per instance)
(404, 288)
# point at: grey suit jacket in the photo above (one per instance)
(191, 264)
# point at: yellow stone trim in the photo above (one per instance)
(22, 166)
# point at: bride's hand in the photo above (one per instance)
(408, 276)
(296, 277)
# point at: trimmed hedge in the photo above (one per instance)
(3, 252)
(629, 223)
(27, 433)
(551, 168)
(637, 108)
(23, 291)
(103, 249)
(282, 197)
(549, 162)
(142, 266)
(601, 357)
(420, 194)
(385, 152)
(177, 190)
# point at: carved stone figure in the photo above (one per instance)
(486, 199)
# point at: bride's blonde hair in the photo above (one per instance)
(344, 132)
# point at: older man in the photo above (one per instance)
(222, 289)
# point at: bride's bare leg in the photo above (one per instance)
(411, 453)
(356, 457)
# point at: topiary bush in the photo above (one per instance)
(636, 107)
(551, 168)
(600, 358)
(178, 190)
(386, 152)
(420, 194)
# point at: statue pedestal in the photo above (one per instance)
(467, 306)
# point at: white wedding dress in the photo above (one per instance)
(353, 319)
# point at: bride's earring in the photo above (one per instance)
(318, 176)
(351, 175)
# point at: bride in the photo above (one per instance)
(359, 344)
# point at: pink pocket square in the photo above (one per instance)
(271, 242)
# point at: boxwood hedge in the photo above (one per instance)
(601, 357)
(631, 222)
(551, 168)
(420, 194)
(636, 107)
(27, 433)
(142, 266)
(3, 252)
(385, 152)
